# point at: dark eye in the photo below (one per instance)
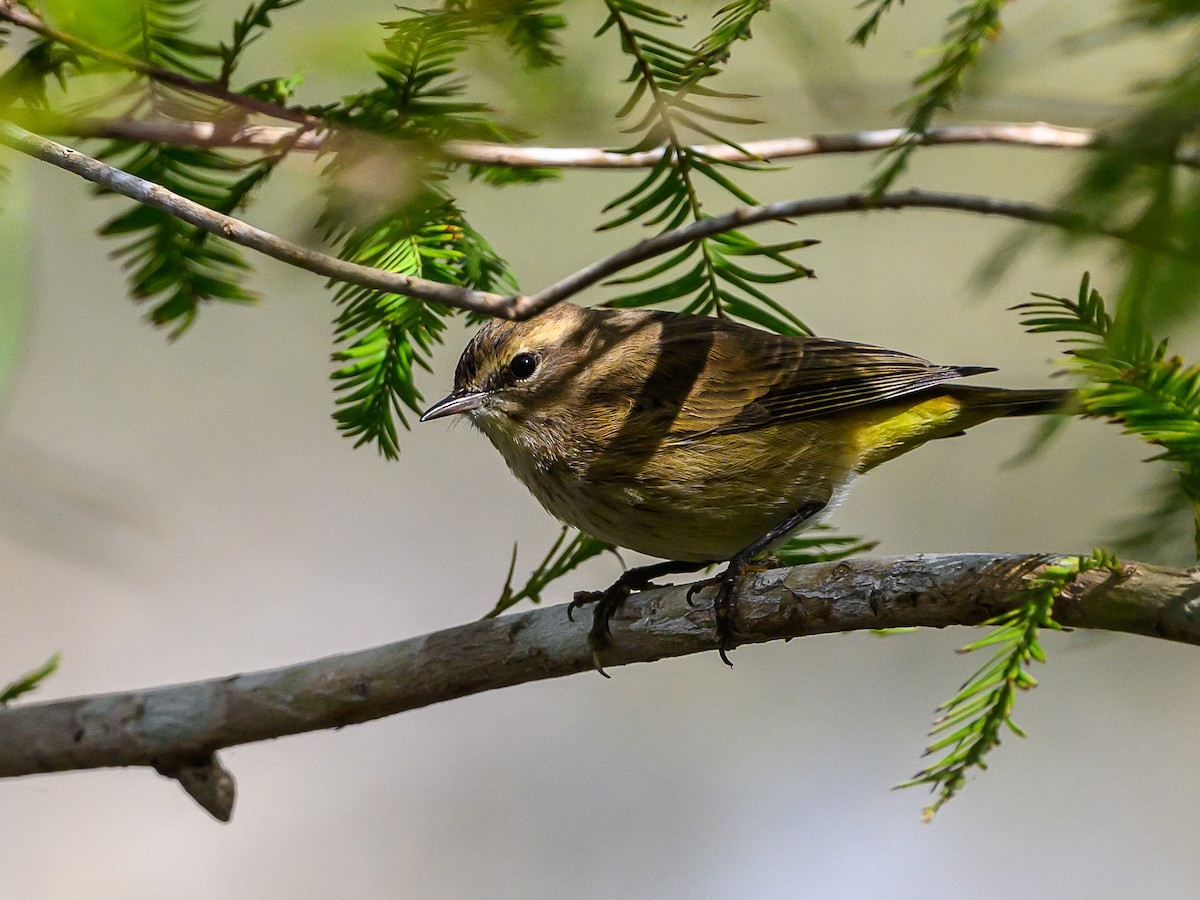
(523, 365)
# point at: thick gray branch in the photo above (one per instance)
(177, 729)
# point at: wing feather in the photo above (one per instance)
(743, 378)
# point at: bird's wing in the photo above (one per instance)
(752, 378)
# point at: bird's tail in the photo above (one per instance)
(1005, 402)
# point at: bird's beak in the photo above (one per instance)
(457, 402)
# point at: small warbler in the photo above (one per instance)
(696, 439)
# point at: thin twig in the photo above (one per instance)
(178, 728)
(1030, 134)
(224, 134)
(484, 153)
(520, 306)
(524, 307)
(239, 232)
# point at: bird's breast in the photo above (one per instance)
(699, 500)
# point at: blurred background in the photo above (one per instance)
(175, 511)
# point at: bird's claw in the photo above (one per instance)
(606, 603)
(582, 598)
(726, 584)
(596, 663)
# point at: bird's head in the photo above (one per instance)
(513, 372)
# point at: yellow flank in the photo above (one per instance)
(883, 433)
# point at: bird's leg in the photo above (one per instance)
(607, 602)
(727, 580)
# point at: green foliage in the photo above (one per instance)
(1135, 184)
(733, 24)
(870, 25)
(30, 680)
(25, 80)
(967, 30)
(563, 556)
(671, 97)
(254, 23)
(820, 544)
(421, 95)
(383, 337)
(1162, 13)
(529, 27)
(969, 723)
(1128, 378)
(176, 266)
(164, 37)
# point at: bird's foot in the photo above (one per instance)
(606, 603)
(604, 606)
(726, 583)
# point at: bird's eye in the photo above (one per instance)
(523, 365)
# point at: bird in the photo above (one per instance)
(697, 439)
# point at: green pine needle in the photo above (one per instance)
(421, 95)
(968, 29)
(30, 680)
(26, 80)
(254, 23)
(563, 556)
(164, 36)
(383, 338)
(1129, 379)
(529, 27)
(671, 97)
(173, 265)
(870, 25)
(821, 544)
(969, 724)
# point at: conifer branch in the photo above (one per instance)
(520, 306)
(239, 232)
(178, 729)
(11, 11)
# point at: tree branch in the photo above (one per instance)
(524, 307)
(177, 729)
(1029, 134)
(237, 231)
(238, 135)
(520, 306)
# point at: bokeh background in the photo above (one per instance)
(173, 511)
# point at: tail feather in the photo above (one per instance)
(1011, 402)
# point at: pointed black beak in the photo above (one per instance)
(458, 402)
